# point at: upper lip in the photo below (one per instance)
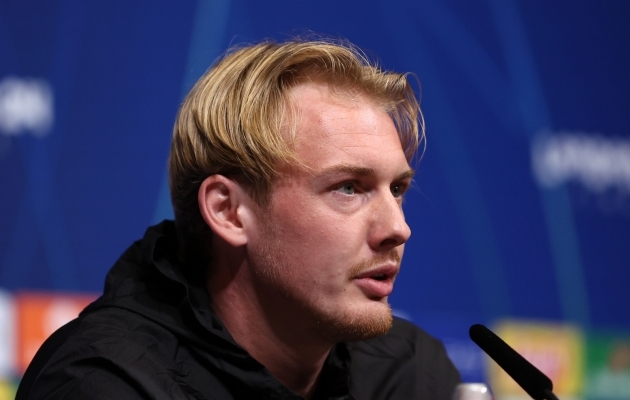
(389, 271)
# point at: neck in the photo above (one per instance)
(270, 329)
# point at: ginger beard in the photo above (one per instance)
(330, 322)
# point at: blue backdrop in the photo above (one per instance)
(522, 200)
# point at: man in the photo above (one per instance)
(288, 167)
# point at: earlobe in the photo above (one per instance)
(219, 201)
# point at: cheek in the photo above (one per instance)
(311, 224)
(309, 228)
(321, 241)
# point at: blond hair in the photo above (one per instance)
(230, 122)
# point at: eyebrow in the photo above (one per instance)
(363, 171)
(406, 175)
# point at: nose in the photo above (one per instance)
(389, 228)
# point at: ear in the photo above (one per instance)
(221, 203)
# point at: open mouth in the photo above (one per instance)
(378, 282)
(379, 277)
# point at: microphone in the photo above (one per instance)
(534, 382)
(472, 391)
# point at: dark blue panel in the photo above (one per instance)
(488, 240)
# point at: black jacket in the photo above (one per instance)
(152, 335)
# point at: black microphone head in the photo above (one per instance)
(534, 382)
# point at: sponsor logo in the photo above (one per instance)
(7, 336)
(596, 162)
(556, 349)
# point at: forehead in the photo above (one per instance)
(315, 99)
(334, 127)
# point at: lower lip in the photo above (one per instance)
(374, 288)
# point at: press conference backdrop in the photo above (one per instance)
(521, 206)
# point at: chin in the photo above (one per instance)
(357, 323)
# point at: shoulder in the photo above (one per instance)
(113, 352)
(407, 361)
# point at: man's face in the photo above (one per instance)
(330, 241)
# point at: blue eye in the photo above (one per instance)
(347, 188)
(397, 190)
